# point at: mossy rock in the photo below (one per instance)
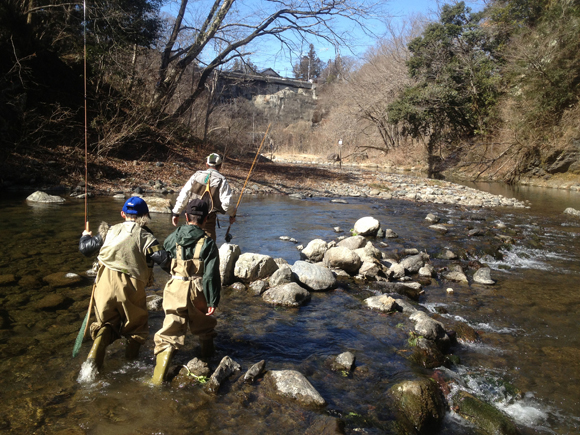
(485, 416)
(421, 402)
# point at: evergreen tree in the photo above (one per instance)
(309, 67)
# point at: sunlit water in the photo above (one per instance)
(528, 324)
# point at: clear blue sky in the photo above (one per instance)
(266, 52)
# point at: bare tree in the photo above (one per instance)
(226, 30)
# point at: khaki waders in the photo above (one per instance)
(185, 305)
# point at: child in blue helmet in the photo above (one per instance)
(127, 252)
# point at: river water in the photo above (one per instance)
(528, 323)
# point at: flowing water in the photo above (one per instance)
(527, 361)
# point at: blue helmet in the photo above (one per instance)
(136, 206)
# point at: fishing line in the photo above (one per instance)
(86, 121)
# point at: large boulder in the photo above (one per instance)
(367, 226)
(342, 258)
(44, 197)
(282, 276)
(315, 250)
(158, 205)
(251, 267)
(289, 295)
(313, 277)
(354, 242)
(421, 402)
(293, 385)
(229, 255)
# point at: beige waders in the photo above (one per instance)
(120, 302)
(184, 303)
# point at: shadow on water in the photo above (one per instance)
(527, 324)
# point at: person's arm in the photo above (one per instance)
(181, 200)
(227, 200)
(88, 245)
(212, 283)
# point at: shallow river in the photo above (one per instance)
(528, 323)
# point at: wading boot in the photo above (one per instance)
(132, 349)
(161, 365)
(97, 353)
(207, 347)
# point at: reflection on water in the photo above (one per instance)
(528, 324)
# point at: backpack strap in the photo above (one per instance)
(198, 247)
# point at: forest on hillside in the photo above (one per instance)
(492, 93)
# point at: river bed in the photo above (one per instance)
(527, 323)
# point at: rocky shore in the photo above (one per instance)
(399, 282)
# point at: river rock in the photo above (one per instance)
(367, 226)
(342, 258)
(412, 289)
(226, 368)
(258, 287)
(229, 255)
(390, 234)
(483, 415)
(251, 267)
(293, 384)
(282, 276)
(383, 303)
(51, 302)
(254, 371)
(413, 263)
(446, 254)
(154, 303)
(238, 287)
(44, 197)
(353, 242)
(483, 276)
(198, 367)
(572, 211)
(427, 354)
(289, 295)
(421, 402)
(439, 228)
(432, 218)
(344, 361)
(326, 425)
(455, 274)
(427, 271)
(369, 253)
(370, 270)
(430, 328)
(158, 205)
(62, 279)
(315, 250)
(313, 277)
(7, 279)
(396, 271)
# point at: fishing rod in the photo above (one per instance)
(228, 236)
(85, 325)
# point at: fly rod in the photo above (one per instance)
(228, 236)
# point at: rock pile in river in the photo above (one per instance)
(326, 265)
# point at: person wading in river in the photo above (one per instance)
(219, 194)
(127, 252)
(192, 294)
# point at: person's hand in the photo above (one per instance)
(87, 233)
(232, 219)
(210, 311)
(174, 220)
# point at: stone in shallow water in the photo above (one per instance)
(483, 276)
(293, 384)
(62, 279)
(44, 197)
